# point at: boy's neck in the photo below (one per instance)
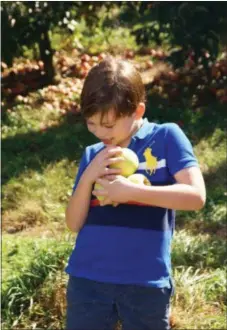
(137, 126)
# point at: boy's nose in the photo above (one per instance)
(101, 134)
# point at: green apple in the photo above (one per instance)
(139, 178)
(129, 164)
(98, 186)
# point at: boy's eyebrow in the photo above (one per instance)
(102, 123)
(107, 123)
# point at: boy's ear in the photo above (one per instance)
(140, 110)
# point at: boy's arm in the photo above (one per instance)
(188, 193)
(91, 168)
(78, 206)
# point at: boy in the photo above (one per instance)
(121, 267)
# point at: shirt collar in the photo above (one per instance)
(142, 132)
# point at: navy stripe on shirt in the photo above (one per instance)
(131, 216)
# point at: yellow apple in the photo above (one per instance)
(129, 164)
(139, 178)
(98, 186)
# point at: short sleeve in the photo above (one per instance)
(180, 153)
(82, 166)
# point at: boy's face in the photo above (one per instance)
(112, 130)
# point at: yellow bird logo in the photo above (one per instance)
(151, 161)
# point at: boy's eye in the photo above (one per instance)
(109, 125)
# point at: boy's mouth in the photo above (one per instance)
(107, 141)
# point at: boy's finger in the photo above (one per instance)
(114, 160)
(106, 201)
(102, 181)
(115, 204)
(113, 171)
(100, 192)
(114, 151)
(111, 177)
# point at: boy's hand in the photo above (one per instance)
(98, 167)
(116, 189)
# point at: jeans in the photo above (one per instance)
(94, 305)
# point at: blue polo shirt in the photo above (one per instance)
(131, 243)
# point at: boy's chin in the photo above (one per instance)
(110, 143)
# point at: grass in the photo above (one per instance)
(31, 266)
(27, 263)
(200, 298)
(199, 251)
(32, 198)
(211, 152)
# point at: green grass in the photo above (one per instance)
(200, 251)
(211, 153)
(26, 265)
(49, 302)
(31, 266)
(200, 298)
(48, 191)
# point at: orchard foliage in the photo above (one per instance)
(29, 23)
(195, 29)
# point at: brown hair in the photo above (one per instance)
(112, 84)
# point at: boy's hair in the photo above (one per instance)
(112, 84)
